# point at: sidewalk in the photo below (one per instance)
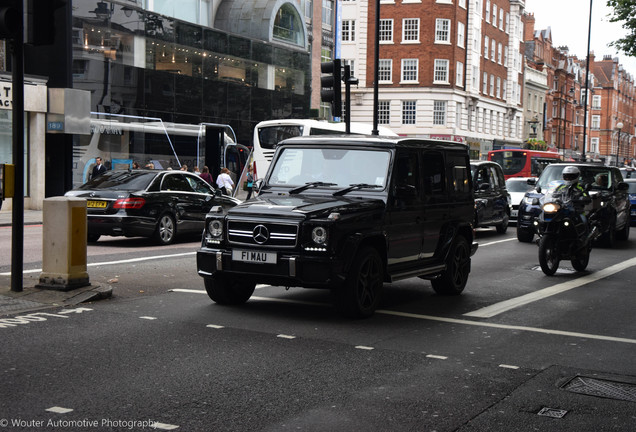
(32, 298)
(31, 217)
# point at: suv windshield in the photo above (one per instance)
(340, 167)
(592, 175)
(120, 180)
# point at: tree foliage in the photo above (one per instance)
(625, 13)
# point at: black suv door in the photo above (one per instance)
(436, 205)
(405, 212)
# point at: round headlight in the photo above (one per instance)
(215, 228)
(550, 208)
(319, 235)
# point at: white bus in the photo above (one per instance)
(121, 139)
(267, 135)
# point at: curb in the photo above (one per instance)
(32, 298)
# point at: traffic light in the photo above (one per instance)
(331, 85)
(9, 19)
(40, 21)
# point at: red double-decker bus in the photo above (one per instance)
(523, 163)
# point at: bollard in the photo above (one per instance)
(64, 244)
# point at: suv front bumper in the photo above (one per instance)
(290, 269)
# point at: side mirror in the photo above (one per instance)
(622, 186)
(218, 193)
(258, 184)
(538, 189)
(531, 181)
(484, 186)
(406, 192)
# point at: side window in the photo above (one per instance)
(175, 182)
(459, 176)
(433, 176)
(483, 176)
(199, 185)
(495, 181)
(406, 178)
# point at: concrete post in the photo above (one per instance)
(64, 244)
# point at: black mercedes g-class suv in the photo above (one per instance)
(347, 214)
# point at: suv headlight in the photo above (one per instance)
(215, 228)
(319, 235)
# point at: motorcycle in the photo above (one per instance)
(563, 232)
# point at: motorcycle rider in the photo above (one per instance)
(578, 194)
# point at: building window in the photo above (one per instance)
(485, 89)
(501, 19)
(459, 74)
(494, 15)
(409, 70)
(288, 26)
(441, 71)
(461, 34)
(498, 87)
(439, 113)
(411, 30)
(408, 112)
(596, 122)
(327, 12)
(492, 85)
(507, 22)
(348, 30)
(596, 102)
(462, 3)
(385, 70)
(486, 45)
(500, 53)
(594, 145)
(326, 54)
(386, 30)
(384, 112)
(475, 81)
(505, 56)
(487, 14)
(493, 52)
(442, 30)
(458, 116)
(351, 64)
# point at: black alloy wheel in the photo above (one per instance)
(359, 297)
(226, 290)
(453, 280)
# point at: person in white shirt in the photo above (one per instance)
(224, 182)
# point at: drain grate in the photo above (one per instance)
(552, 412)
(602, 388)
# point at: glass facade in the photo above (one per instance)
(138, 62)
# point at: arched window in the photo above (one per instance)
(288, 26)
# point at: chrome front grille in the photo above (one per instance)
(262, 233)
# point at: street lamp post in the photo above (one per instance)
(619, 126)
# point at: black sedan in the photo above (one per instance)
(147, 203)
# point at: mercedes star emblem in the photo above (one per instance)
(260, 234)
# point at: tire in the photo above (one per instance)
(359, 296)
(225, 290)
(581, 260)
(623, 234)
(166, 229)
(453, 280)
(609, 237)
(503, 226)
(523, 235)
(92, 238)
(548, 255)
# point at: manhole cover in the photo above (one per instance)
(560, 270)
(602, 388)
(552, 412)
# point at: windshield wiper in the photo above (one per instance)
(308, 185)
(354, 187)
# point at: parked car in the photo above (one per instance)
(628, 172)
(348, 214)
(632, 199)
(517, 188)
(492, 200)
(148, 203)
(612, 200)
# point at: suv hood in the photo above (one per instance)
(305, 206)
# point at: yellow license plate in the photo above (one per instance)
(96, 204)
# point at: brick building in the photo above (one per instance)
(448, 69)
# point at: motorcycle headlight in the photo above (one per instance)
(319, 235)
(215, 228)
(551, 208)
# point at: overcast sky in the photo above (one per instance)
(569, 21)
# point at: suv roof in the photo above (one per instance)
(371, 141)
